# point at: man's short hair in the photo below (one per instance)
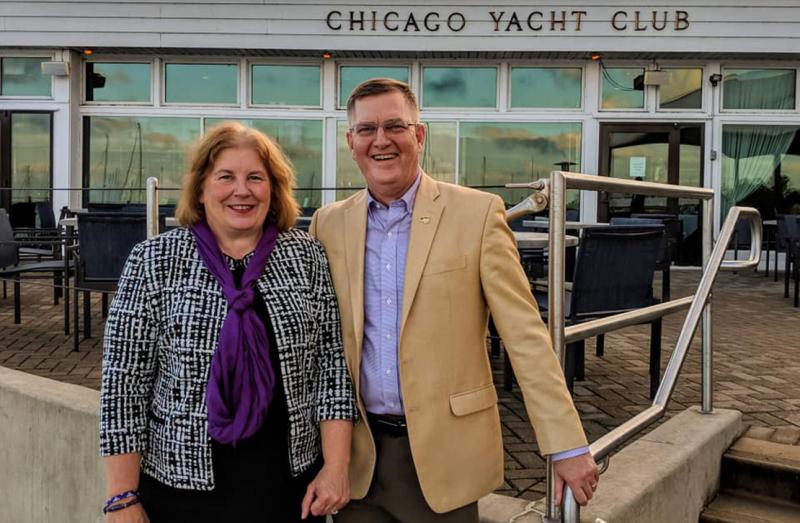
(376, 86)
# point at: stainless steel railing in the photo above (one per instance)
(552, 193)
(152, 206)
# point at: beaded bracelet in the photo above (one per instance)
(120, 506)
(119, 497)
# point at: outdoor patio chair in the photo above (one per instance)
(613, 273)
(11, 267)
(666, 256)
(788, 231)
(104, 241)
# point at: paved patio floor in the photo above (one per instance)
(756, 365)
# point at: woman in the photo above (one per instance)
(223, 365)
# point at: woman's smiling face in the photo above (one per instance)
(236, 193)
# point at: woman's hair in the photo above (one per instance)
(283, 208)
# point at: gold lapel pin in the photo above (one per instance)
(424, 219)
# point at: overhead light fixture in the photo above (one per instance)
(596, 57)
(55, 68)
(326, 55)
(88, 52)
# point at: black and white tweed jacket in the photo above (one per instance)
(162, 330)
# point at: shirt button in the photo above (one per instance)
(389, 234)
(388, 266)
(391, 404)
(388, 336)
(388, 301)
(388, 372)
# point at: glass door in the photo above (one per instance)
(660, 153)
(25, 163)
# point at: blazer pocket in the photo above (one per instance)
(465, 403)
(449, 264)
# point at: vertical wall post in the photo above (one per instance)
(152, 207)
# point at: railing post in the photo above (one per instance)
(555, 302)
(152, 207)
(707, 342)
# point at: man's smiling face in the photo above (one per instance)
(388, 160)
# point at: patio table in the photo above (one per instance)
(539, 240)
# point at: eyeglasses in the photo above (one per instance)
(393, 127)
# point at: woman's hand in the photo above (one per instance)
(132, 514)
(329, 492)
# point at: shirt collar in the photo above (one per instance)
(408, 197)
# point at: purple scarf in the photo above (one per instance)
(241, 382)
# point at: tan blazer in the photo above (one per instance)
(462, 261)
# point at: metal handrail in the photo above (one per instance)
(553, 192)
(152, 207)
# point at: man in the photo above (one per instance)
(417, 266)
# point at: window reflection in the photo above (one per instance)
(546, 87)
(348, 177)
(124, 151)
(23, 77)
(493, 154)
(758, 89)
(683, 89)
(618, 88)
(30, 156)
(286, 85)
(459, 87)
(301, 141)
(118, 82)
(201, 83)
(439, 152)
(351, 76)
(761, 168)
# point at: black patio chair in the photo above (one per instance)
(613, 274)
(666, 256)
(105, 240)
(788, 231)
(11, 267)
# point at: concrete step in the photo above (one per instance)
(743, 508)
(763, 469)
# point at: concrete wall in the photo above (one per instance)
(666, 476)
(49, 465)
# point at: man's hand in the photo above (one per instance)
(580, 473)
(329, 492)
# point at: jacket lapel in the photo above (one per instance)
(424, 223)
(355, 237)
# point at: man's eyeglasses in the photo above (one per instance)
(394, 127)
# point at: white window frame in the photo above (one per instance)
(766, 66)
(498, 95)
(546, 65)
(114, 60)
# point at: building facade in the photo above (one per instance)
(97, 96)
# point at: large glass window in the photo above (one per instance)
(30, 154)
(619, 91)
(546, 87)
(125, 150)
(285, 85)
(758, 89)
(439, 152)
(493, 154)
(201, 83)
(459, 87)
(348, 177)
(351, 76)
(301, 141)
(682, 90)
(761, 168)
(23, 77)
(118, 82)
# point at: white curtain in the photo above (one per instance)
(752, 152)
